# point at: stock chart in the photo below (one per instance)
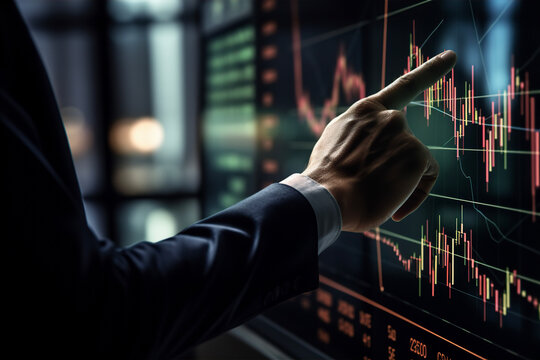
(460, 277)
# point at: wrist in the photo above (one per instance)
(329, 183)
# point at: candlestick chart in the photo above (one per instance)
(458, 278)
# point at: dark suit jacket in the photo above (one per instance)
(68, 294)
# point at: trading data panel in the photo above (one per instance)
(460, 277)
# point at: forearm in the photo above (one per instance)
(213, 275)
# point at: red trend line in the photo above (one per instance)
(379, 260)
(345, 78)
(383, 70)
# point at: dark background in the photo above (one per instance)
(173, 112)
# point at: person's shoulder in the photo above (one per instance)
(13, 116)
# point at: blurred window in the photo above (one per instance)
(154, 148)
(125, 76)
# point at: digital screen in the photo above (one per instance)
(460, 277)
(229, 126)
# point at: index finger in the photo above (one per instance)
(404, 89)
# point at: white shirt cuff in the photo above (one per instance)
(324, 205)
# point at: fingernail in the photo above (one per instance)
(445, 54)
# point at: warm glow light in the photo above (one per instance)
(146, 135)
(137, 136)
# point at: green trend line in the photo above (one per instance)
(522, 211)
(522, 152)
(343, 30)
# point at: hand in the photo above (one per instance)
(369, 159)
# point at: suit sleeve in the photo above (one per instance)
(71, 295)
(151, 300)
(212, 276)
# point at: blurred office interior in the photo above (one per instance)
(126, 74)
